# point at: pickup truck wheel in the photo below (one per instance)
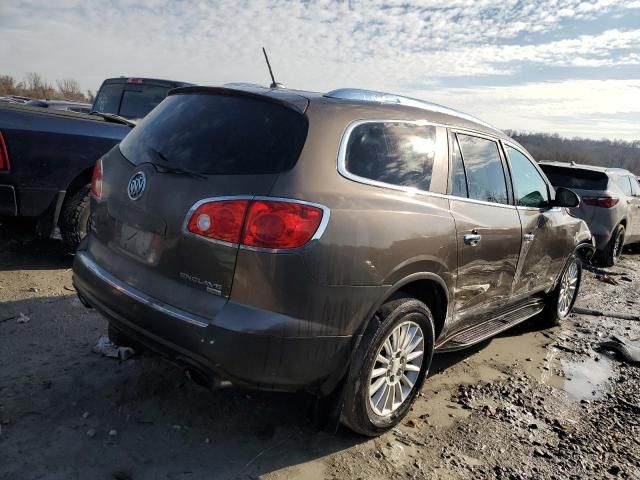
(74, 218)
(561, 301)
(390, 366)
(614, 248)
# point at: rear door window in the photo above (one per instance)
(218, 135)
(530, 188)
(484, 169)
(396, 153)
(623, 184)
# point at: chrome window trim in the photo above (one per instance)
(326, 214)
(342, 156)
(137, 295)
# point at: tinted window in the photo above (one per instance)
(458, 177)
(129, 101)
(137, 103)
(220, 135)
(530, 188)
(397, 153)
(623, 184)
(483, 166)
(575, 178)
(635, 187)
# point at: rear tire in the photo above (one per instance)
(611, 254)
(561, 301)
(74, 219)
(392, 344)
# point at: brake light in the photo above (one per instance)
(270, 224)
(96, 180)
(219, 220)
(604, 202)
(4, 155)
(135, 80)
(276, 224)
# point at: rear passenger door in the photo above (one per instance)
(487, 225)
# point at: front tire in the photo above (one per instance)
(74, 219)
(561, 301)
(391, 364)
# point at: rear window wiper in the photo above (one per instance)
(167, 167)
(114, 118)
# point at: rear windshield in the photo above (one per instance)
(132, 101)
(218, 135)
(575, 178)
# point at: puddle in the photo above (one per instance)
(588, 379)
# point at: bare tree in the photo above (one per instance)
(70, 89)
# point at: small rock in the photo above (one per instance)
(113, 433)
(33, 289)
(86, 415)
(23, 318)
(91, 433)
(207, 440)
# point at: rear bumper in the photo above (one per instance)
(248, 351)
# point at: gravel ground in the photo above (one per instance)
(530, 403)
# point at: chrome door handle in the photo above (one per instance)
(472, 239)
(528, 237)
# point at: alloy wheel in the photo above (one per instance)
(568, 288)
(396, 368)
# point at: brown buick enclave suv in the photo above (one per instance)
(330, 243)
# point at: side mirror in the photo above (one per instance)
(566, 198)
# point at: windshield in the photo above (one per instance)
(219, 135)
(131, 101)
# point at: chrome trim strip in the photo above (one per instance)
(326, 214)
(342, 168)
(138, 296)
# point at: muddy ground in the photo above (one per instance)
(531, 403)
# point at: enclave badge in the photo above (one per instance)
(136, 186)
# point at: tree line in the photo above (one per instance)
(604, 153)
(34, 86)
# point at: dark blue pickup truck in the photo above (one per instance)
(47, 156)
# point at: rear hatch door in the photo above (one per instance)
(585, 182)
(198, 144)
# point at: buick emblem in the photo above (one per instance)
(136, 186)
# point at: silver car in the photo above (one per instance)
(610, 204)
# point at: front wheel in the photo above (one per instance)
(390, 367)
(563, 298)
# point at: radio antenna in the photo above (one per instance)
(274, 84)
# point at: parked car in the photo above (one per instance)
(48, 155)
(132, 98)
(67, 105)
(610, 204)
(289, 240)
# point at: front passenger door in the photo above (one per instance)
(544, 237)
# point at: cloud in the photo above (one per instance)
(320, 45)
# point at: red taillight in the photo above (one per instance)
(221, 220)
(4, 155)
(275, 224)
(135, 80)
(266, 224)
(96, 180)
(605, 202)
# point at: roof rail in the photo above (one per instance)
(382, 97)
(243, 85)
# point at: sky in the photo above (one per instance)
(571, 67)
